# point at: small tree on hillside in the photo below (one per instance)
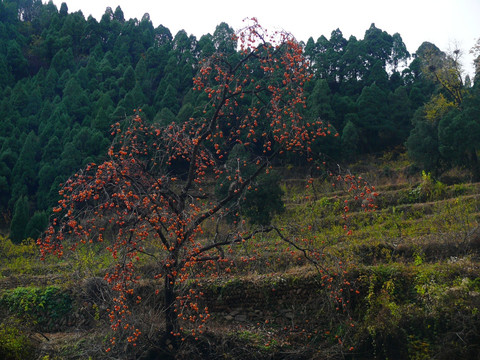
(157, 185)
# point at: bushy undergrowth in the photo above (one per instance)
(43, 307)
(18, 259)
(418, 312)
(14, 343)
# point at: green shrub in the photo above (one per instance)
(14, 344)
(9, 250)
(18, 258)
(427, 190)
(43, 307)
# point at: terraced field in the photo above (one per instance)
(404, 285)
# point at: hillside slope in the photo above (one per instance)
(403, 285)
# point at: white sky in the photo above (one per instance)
(442, 22)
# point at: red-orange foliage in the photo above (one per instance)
(139, 194)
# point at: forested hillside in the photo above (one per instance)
(64, 80)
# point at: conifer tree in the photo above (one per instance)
(20, 220)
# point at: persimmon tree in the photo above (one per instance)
(157, 184)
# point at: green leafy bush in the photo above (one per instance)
(17, 258)
(43, 307)
(427, 190)
(14, 345)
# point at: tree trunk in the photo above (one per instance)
(171, 324)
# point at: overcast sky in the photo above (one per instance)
(442, 22)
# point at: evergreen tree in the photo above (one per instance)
(170, 100)
(16, 62)
(52, 150)
(129, 78)
(422, 144)
(5, 186)
(459, 135)
(6, 77)
(63, 60)
(375, 124)
(378, 45)
(25, 171)
(92, 36)
(118, 15)
(205, 46)
(165, 116)
(75, 100)
(46, 176)
(63, 9)
(36, 225)
(399, 53)
(342, 105)
(319, 102)
(354, 60)
(223, 39)
(102, 121)
(20, 220)
(350, 140)
(335, 49)
(378, 76)
(400, 114)
(19, 99)
(185, 113)
(141, 70)
(50, 88)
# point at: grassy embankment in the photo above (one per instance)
(407, 280)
